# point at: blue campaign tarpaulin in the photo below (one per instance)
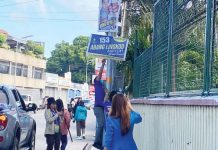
(107, 47)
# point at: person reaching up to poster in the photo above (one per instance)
(100, 92)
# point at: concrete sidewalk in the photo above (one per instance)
(80, 144)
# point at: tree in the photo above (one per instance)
(34, 48)
(70, 56)
(2, 39)
(141, 23)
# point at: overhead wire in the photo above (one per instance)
(69, 12)
(18, 3)
(47, 19)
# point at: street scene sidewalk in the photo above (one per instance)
(76, 144)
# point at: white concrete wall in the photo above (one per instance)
(171, 127)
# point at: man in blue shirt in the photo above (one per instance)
(100, 91)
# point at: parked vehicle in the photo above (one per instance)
(17, 128)
(28, 101)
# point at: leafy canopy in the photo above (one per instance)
(71, 56)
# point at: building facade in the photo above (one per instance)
(23, 71)
(62, 87)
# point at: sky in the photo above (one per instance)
(49, 21)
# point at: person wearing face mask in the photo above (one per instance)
(100, 92)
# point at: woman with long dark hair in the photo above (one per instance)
(120, 124)
(52, 130)
(64, 123)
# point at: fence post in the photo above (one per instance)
(207, 52)
(213, 41)
(136, 45)
(169, 54)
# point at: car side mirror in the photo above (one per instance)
(31, 107)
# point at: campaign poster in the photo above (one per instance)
(109, 11)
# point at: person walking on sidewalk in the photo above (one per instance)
(100, 92)
(52, 130)
(120, 124)
(80, 117)
(65, 123)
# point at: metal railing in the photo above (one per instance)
(183, 58)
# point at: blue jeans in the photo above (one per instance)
(99, 114)
(63, 142)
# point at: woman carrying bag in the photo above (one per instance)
(52, 130)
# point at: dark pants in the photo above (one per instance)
(80, 126)
(63, 142)
(99, 114)
(53, 141)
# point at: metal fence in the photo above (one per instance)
(183, 58)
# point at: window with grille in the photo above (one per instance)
(4, 67)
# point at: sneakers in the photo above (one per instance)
(84, 136)
(79, 138)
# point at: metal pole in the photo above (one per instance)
(109, 72)
(86, 70)
(207, 52)
(169, 63)
(136, 45)
(108, 75)
(15, 63)
(213, 30)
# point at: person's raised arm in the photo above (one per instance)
(98, 78)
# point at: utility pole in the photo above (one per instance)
(124, 23)
(124, 34)
(109, 76)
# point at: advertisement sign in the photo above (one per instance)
(51, 79)
(107, 47)
(108, 15)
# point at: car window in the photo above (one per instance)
(17, 98)
(25, 98)
(3, 97)
(21, 101)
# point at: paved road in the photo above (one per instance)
(76, 144)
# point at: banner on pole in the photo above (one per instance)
(109, 11)
(107, 47)
(98, 64)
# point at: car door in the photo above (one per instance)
(24, 118)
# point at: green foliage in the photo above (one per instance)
(5, 46)
(144, 31)
(35, 48)
(189, 71)
(190, 61)
(2, 39)
(30, 53)
(215, 70)
(73, 55)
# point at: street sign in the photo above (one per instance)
(107, 47)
